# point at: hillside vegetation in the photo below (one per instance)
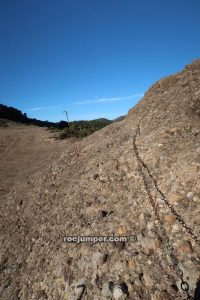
(83, 128)
(76, 129)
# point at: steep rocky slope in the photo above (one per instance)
(96, 188)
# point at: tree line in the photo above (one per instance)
(72, 129)
(16, 115)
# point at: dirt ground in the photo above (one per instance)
(24, 152)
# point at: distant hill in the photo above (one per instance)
(16, 115)
(103, 120)
(119, 118)
(72, 129)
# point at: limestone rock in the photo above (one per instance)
(150, 243)
(149, 280)
(186, 247)
(170, 218)
(161, 296)
(120, 291)
(190, 195)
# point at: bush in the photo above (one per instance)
(81, 129)
(62, 136)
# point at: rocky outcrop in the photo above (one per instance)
(96, 189)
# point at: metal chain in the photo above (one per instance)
(179, 219)
(171, 208)
(142, 166)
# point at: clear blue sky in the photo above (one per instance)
(94, 58)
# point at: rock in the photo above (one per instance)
(137, 282)
(120, 291)
(190, 275)
(170, 219)
(175, 228)
(103, 178)
(172, 289)
(161, 296)
(127, 277)
(196, 199)
(172, 177)
(119, 266)
(186, 247)
(132, 264)
(150, 225)
(130, 175)
(150, 243)
(173, 131)
(98, 258)
(111, 286)
(174, 198)
(190, 195)
(139, 237)
(149, 262)
(117, 293)
(106, 291)
(95, 176)
(41, 295)
(122, 230)
(104, 213)
(142, 217)
(149, 280)
(80, 287)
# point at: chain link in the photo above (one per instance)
(142, 168)
(171, 208)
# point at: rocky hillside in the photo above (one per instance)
(106, 185)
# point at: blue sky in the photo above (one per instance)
(93, 58)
